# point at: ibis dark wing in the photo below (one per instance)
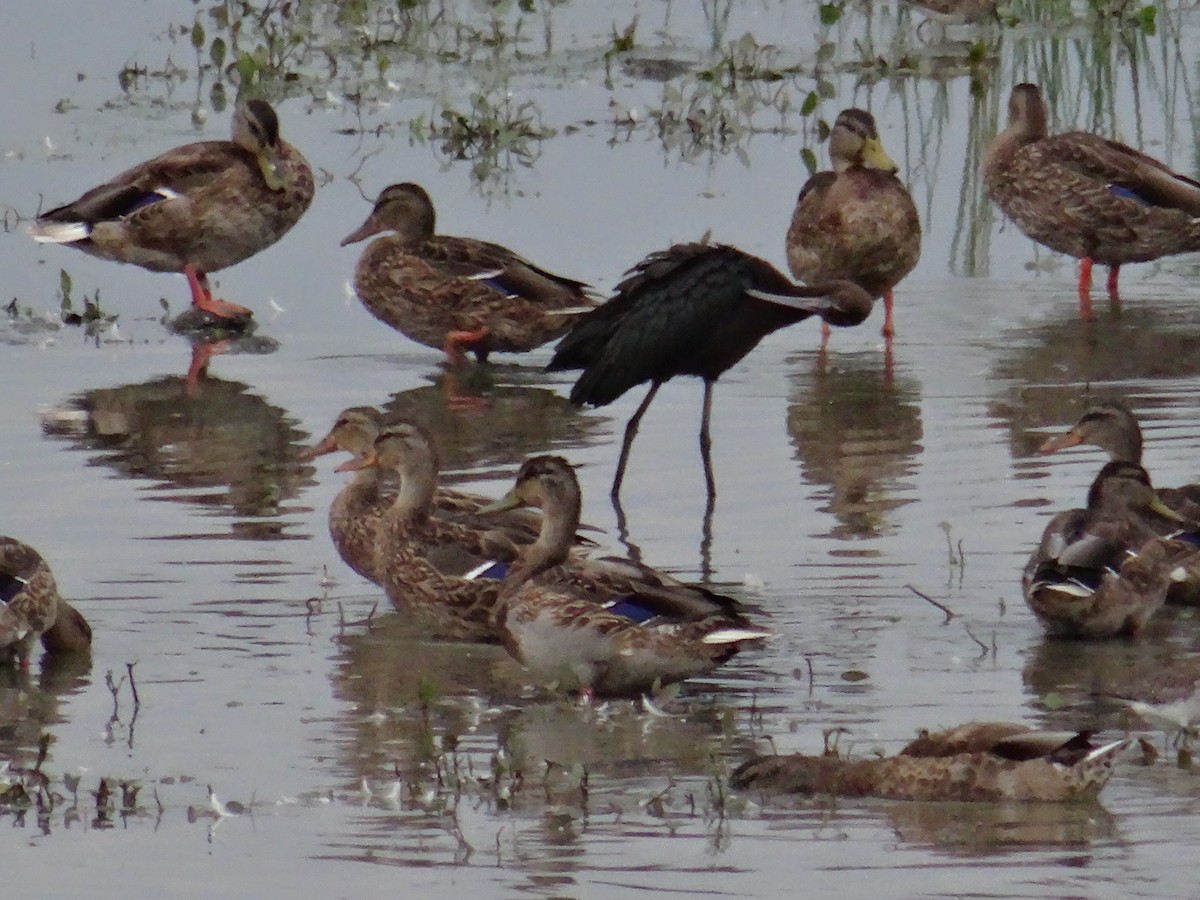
(681, 311)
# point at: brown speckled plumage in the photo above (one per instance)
(957, 12)
(1074, 192)
(207, 205)
(1112, 426)
(429, 286)
(357, 509)
(559, 625)
(857, 222)
(1103, 571)
(976, 762)
(29, 600)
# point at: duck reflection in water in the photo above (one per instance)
(514, 415)
(1048, 366)
(214, 444)
(857, 429)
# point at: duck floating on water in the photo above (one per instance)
(614, 628)
(1103, 571)
(976, 762)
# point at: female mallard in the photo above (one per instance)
(1103, 571)
(355, 512)
(620, 633)
(858, 222)
(980, 761)
(196, 209)
(457, 293)
(1112, 426)
(31, 609)
(28, 599)
(1087, 196)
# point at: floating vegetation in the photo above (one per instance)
(495, 133)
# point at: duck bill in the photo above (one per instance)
(365, 230)
(1060, 442)
(268, 164)
(370, 461)
(1166, 512)
(511, 500)
(874, 156)
(326, 445)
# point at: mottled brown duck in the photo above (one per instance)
(31, 608)
(957, 12)
(1112, 426)
(1104, 571)
(457, 293)
(977, 762)
(858, 222)
(196, 209)
(356, 510)
(1087, 196)
(610, 628)
(692, 309)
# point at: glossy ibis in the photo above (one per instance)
(692, 309)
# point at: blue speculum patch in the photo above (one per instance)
(1126, 192)
(630, 609)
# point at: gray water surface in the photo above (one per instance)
(186, 528)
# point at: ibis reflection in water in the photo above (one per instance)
(693, 309)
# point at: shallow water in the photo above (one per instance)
(185, 527)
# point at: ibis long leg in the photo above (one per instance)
(706, 440)
(631, 431)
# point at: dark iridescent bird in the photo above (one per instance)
(457, 293)
(196, 209)
(693, 309)
(1089, 197)
(857, 222)
(976, 762)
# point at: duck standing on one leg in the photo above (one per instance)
(196, 209)
(461, 294)
(1089, 197)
